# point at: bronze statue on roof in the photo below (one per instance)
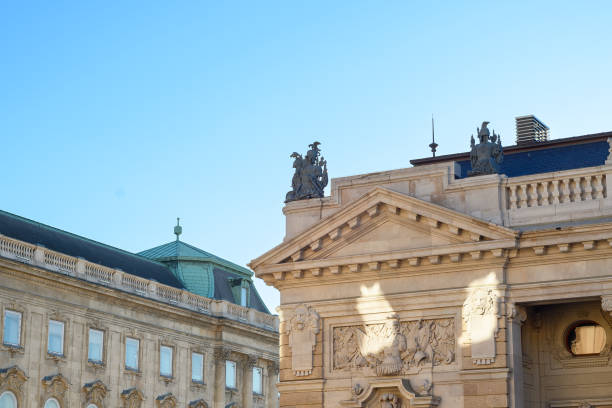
(488, 154)
(310, 177)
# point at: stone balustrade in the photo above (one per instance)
(80, 268)
(558, 188)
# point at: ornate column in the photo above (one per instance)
(247, 386)
(271, 393)
(220, 355)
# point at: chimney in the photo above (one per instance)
(530, 129)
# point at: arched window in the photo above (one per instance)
(8, 400)
(92, 406)
(52, 403)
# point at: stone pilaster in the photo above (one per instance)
(220, 356)
(271, 390)
(516, 317)
(247, 384)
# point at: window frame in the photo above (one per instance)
(8, 311)
(10, 393)
(102, 360)
(203, 366)
(138, 354)
(261, 380)
(171, 348)
(62, 352)
(233, 364)
(57, 403)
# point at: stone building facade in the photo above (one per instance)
(423, 287)
(125, 331)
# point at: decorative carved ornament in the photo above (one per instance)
(302, 331)
(55, 386)
(198, 404)
(132, 398)
(251, 361)
(480, 314)
(310, 177)
(606, 303)
(166, 401)
(488, 154)
(221, 354)
(95, 392)
(389, 393)
(12, 379)
(394, 347)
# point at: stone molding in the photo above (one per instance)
(39, 256)
(302, 330)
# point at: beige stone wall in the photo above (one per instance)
(416, 249)
(42, 295)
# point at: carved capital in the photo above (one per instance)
(516, 313)
(222, 354)
(166, 401)
(274, 368)
(251, 361)
(606, 303)
(132, 398)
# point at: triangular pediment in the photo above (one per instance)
(384, 222)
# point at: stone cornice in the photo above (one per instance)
(105, 279)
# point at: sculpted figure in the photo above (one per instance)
(481, 322)
(384, 350)
(485, 156)
(303, 329)
(389, 400)
(310, 176)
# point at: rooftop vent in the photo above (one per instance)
(530, 129)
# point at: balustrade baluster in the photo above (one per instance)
(555, 192)
(513, 198)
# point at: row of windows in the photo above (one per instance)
(95, 352)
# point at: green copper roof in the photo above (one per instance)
(178, 250)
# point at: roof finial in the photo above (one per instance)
(433, 145)
(178, 230)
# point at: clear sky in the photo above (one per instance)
(119, 116)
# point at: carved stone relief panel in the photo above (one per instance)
(132, 398)
(95, 392)
(302, 330)
(388, 392)
(480, 314)
(394, 347)
(12, 379)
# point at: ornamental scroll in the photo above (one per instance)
(394, 347)
(302, 331)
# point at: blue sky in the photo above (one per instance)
(117, 117)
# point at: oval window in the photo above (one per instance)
(586, 338)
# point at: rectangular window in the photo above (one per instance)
(96, 346)
(257, 381)
(230, 374)
(243, 296)
(197, 367)
(165, 361)
(131, 353)
(12, 328)
(55, 341)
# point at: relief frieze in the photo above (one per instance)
(394, 347)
